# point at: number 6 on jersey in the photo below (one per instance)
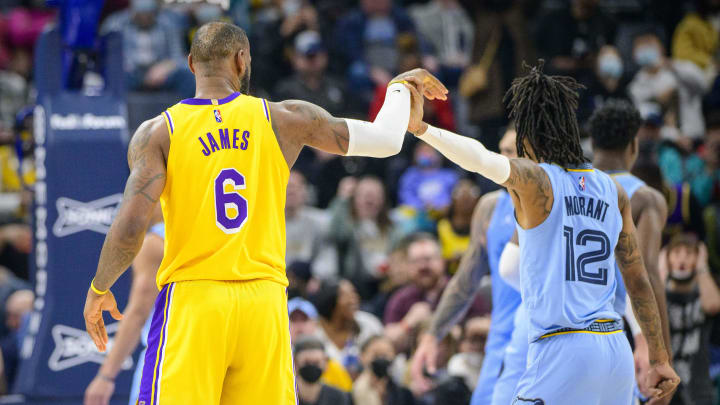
(224, 201)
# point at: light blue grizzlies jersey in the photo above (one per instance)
(158, 229)
(567, 263)
(631, 184)
(505, 299)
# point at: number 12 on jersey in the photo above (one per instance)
(575, 269)
(230, 200)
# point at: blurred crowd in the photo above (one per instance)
(372, 243)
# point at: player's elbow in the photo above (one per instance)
(131, 228)
(379, 139)
(393, 143)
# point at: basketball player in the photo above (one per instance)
(135, 324)
(573, 222)
(219, 164)
(613, 129)
(493, 224)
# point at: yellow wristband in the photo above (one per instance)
(95, 290)
(398, 81)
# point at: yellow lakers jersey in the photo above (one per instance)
(224, 197)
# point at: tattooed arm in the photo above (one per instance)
(650, 223)
(298, 123)
(460, 291)
(458, 294)
(661, 378)
(531, 192)
(527, 182)
(147, 159)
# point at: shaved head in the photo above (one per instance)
(222, 49)
(215, 41)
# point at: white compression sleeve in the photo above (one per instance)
(510, 265)
(384, 136)
(630, 317)
(470, 154)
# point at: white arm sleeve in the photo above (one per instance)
(470, 154)
(510, 265)
(384, 136)
(630, 317)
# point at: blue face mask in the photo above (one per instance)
(610, 66)
(425, 161)
(647, 56)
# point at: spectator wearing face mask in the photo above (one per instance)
(303, 323)
(342, 327)
(608, 82)
(654, 87)
(427, 185)
(692, 297)
(375, 386)
(671, 90)
(468, 361)
(310, 363)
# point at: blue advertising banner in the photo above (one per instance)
(81, 146)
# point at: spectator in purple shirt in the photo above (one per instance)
(426, 184)
(412, 305)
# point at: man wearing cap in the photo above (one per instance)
(310, 81)
(303, 323)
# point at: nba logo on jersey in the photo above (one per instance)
(218, 118)
(581, 183)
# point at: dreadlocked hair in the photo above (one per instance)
(543, 109)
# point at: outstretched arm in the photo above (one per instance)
(142, 296)
(458, 294)
(298, 123)
(526, 181)
(662, 379)
(146, 157)
(460, 291)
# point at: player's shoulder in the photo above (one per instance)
(623, 199)
(646, 197)
(152, 124)
(490, 199)
(289, 113)
(151, 132)
(150, 128)
(483, 212)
